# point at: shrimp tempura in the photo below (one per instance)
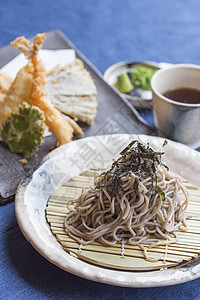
(53, 118)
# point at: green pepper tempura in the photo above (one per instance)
(24, 130)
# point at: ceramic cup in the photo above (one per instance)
(175, 120)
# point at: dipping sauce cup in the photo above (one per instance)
(176, 120)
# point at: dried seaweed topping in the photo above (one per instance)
(137, 158)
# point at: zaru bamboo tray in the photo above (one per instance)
(131, 257)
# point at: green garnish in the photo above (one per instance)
(123, 83)
(159, 189)
(141, 77)
(165, 143)
(137, 158)
(23, 131)
(161, 192)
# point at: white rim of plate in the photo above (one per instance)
(57, 167)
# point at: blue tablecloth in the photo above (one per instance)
(106, 31)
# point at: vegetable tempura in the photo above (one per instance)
(29, 87)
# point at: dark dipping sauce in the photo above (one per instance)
(184, 95)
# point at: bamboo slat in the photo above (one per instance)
(131, 258)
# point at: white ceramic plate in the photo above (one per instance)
(138, 97)
(72, 159)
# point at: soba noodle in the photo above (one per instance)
(137, 201)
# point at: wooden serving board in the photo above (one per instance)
(187, 247)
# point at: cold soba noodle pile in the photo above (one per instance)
(137, 201)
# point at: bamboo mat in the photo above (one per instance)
(126, 257)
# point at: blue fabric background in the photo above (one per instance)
(106, 31)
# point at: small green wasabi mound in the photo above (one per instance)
(23, 131)
(141, 77)
(123, 83)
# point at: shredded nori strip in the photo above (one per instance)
(137, 158)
